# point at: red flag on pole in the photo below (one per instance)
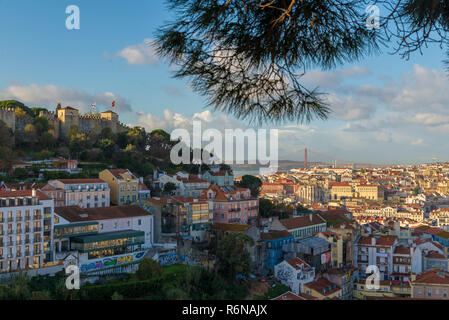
(113, 104)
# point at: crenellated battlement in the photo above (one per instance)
(65, 118)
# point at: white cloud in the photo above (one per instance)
(140, 54)
(50, 95)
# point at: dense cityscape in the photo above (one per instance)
(224, 158)
(310, 233)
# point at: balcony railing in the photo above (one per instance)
(37, 216)
(37, 229)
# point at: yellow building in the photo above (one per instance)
(123, 184)
(322, 289)
(340, 190)
(386, 288)
(371, 192)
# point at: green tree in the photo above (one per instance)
(20, 173)
(41, 124)
(265, 207)
(233, 255)
(251, 182)
(169, 188)
(248, 57)
(148, 269)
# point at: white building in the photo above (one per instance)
(84, 193)
(376, 251)
(26, 229)
(294, 273)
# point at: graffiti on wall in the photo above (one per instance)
(112, 261)
(168, 259)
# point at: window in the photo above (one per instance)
(140, 222)
(129, 223)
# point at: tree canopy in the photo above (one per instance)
(247, 57)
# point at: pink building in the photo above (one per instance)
(231, 204)
(84, 193)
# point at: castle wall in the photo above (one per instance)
(63, 121)
(8, 116)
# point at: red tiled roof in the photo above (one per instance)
(143, 187)
(230, 227)
(23, 193)
(402, 250)
(297, 263)
(300, 222)
(81, 181)
(321, 285)
(434, 255)
(291, 296)
(433, 277)
(77, 214)
(274, 234)
(382, 241)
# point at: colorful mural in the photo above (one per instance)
(114, 261)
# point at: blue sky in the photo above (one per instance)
(386, 109)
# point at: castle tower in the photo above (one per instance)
(113, 119)
(68, 117)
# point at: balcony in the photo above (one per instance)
(10, 232)
(27, 218)
(19, 219)
(37, 229)
(37, 217)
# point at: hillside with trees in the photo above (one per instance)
(136, 149)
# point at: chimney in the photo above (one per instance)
(310, 217)
(373, 241)
(33, 192)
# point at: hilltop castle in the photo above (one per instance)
(65, 118)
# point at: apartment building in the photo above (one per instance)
(232, 204)
(188, 217)
(274, 240)
(432, 284)
(123, 184)
(84, 193)
(26, 229)
(375, 250)
(406, 259)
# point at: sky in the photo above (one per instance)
(386, 110)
